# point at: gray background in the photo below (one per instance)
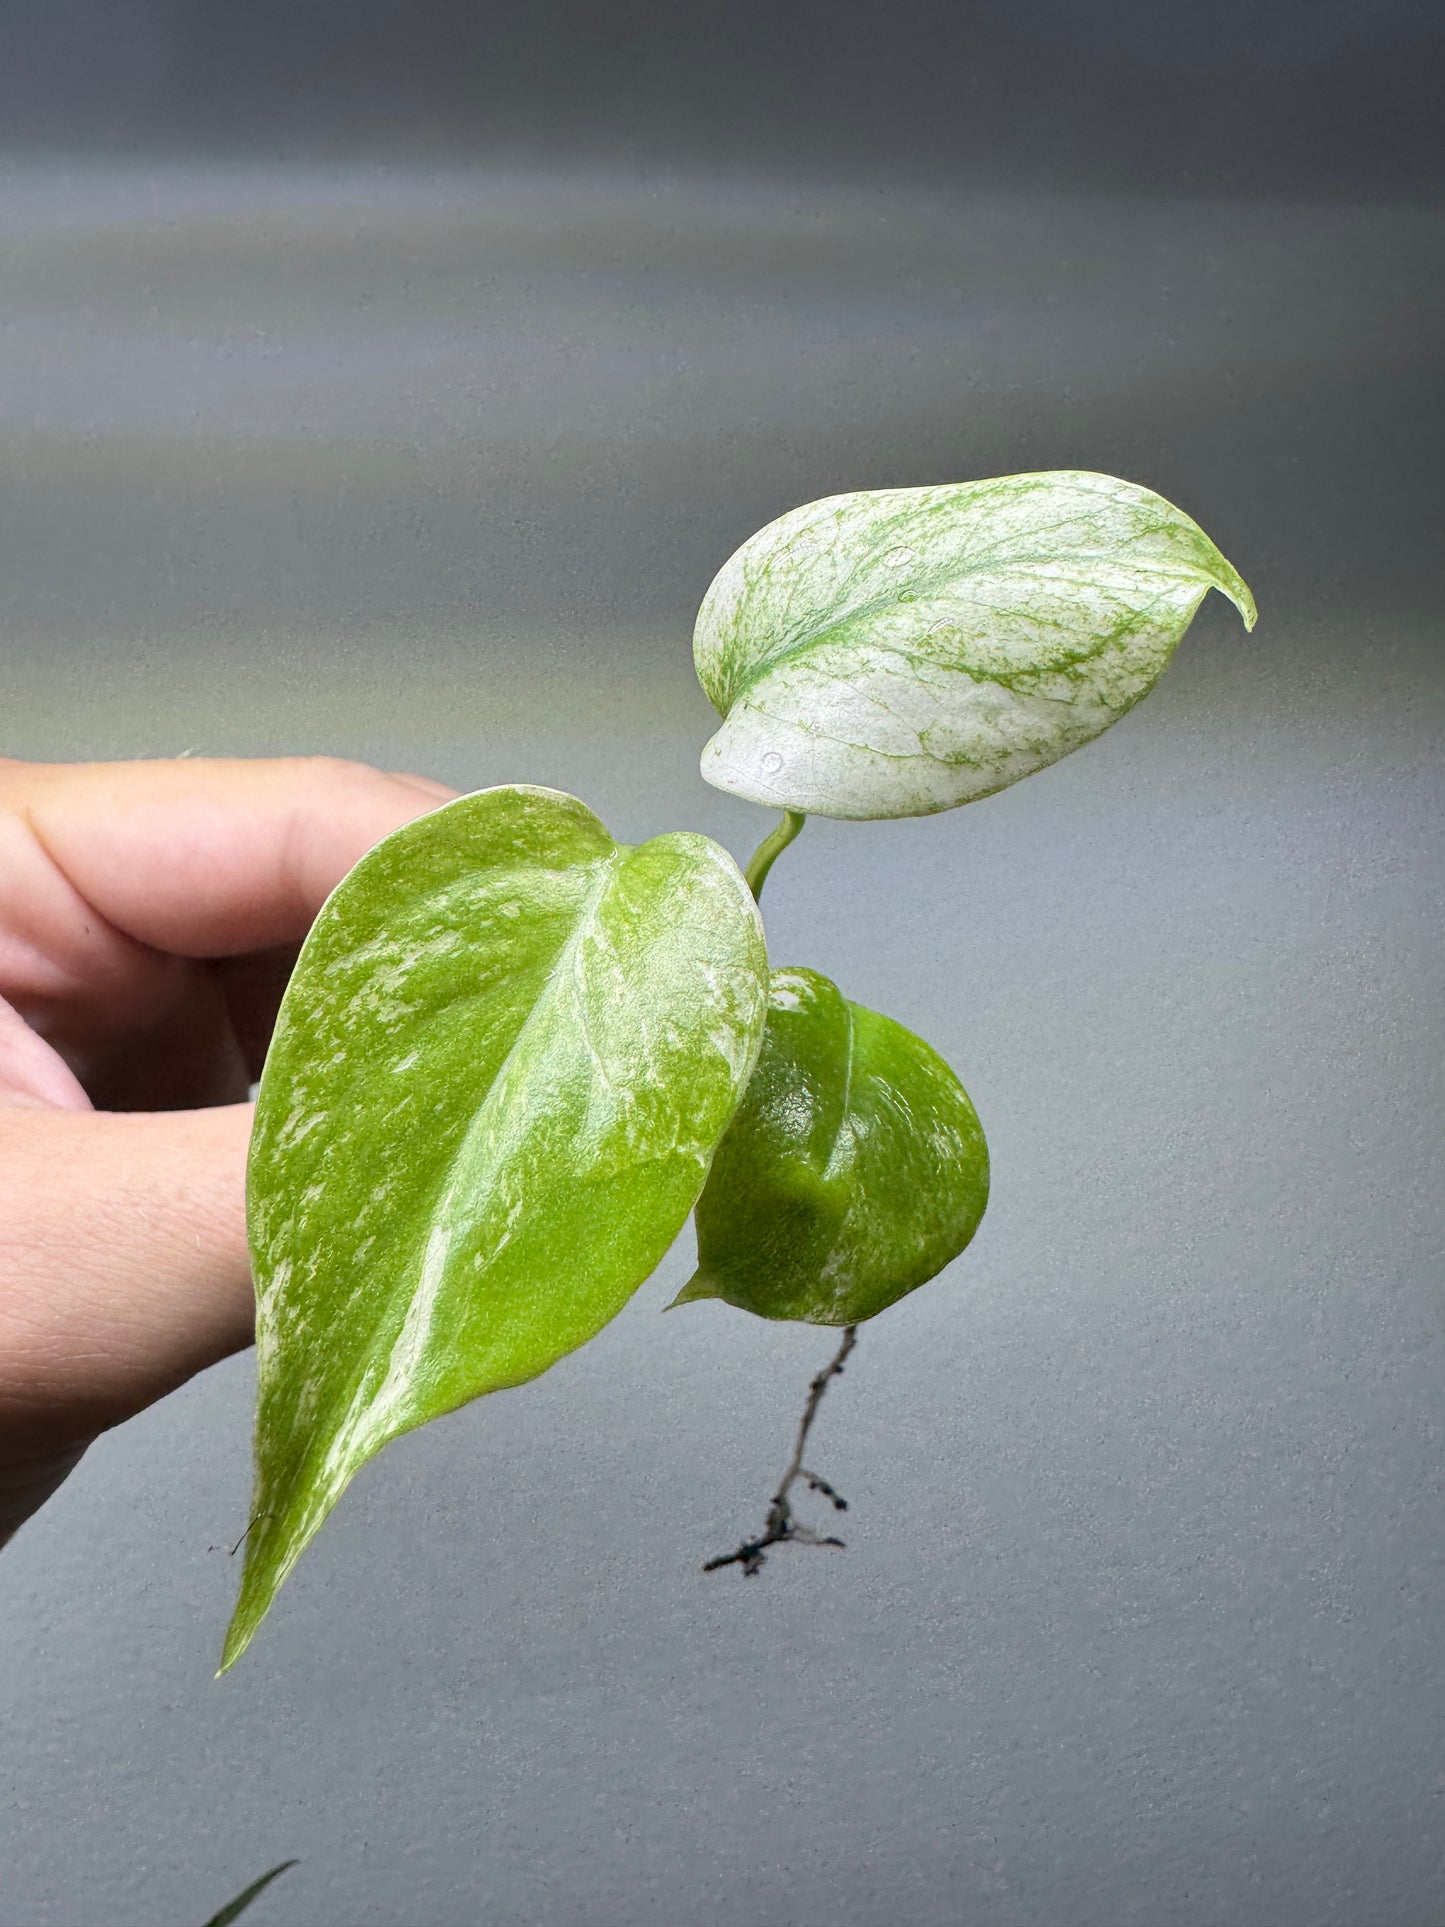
(424, 451)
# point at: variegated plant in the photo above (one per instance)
(515, 1054)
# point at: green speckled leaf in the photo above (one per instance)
(854, 1170)
(501, 1069)
(905, 650)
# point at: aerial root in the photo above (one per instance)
(781, 1526)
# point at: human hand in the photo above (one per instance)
(150, 914)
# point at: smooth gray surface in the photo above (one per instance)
(1314, 100)
(1140, 1616)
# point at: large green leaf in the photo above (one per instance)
(500, 1071)
(901, 651)
(854, 1170)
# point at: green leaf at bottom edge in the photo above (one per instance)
(234, 1909)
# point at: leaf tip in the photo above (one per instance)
(699, 1286)
(239, 1634)
(230, 1653)
(234, 1909)
(1231, 583)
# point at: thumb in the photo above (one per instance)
(124, 1259)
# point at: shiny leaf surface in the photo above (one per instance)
(902, 651)
(854, 1170)
(501, 1069)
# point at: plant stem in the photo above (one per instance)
(770, 849)
(781, 1524)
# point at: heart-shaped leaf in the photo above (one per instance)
(854, 1170)
(506, 1056)
(901, 651)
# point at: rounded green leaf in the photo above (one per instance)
(506, 1056)
(901, 651)
(854, 1170)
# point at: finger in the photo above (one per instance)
(253, 987)
(210, 858)
(112, 874)
(208, 1048)
(31, 1073)
(123, 1251)
(188, 1058)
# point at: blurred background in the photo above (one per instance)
(392, 380)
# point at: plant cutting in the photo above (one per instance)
(516, 1054)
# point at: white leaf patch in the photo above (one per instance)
(902, 651)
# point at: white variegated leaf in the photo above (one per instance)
(902, 651)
